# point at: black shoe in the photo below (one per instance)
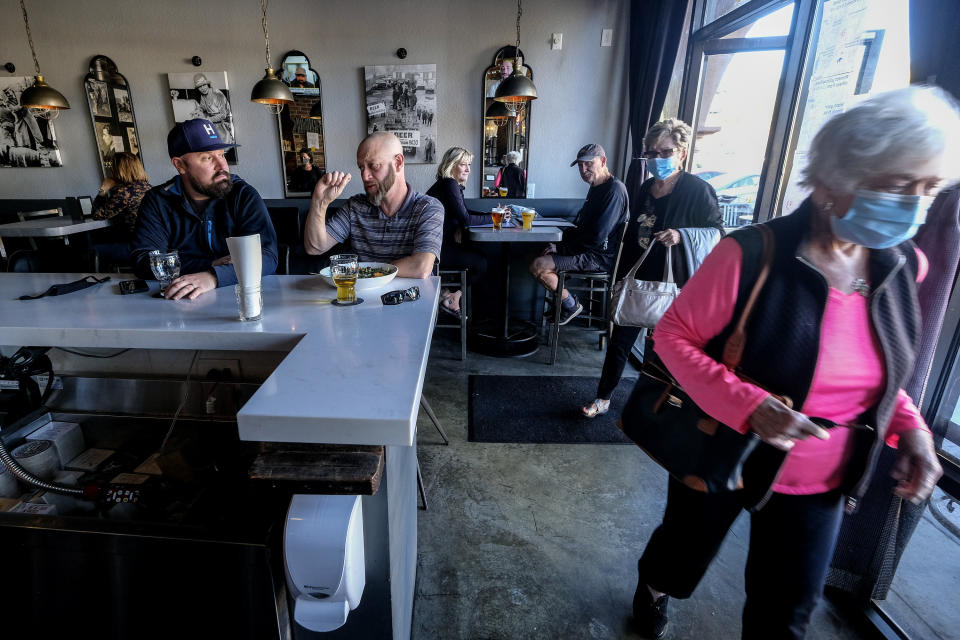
(566, 316)
(649, 615)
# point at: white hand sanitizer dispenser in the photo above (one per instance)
(323, 555)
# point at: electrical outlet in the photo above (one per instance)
(556, 42)
(606, 38)
(205, 364)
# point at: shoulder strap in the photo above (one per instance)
(733, 349)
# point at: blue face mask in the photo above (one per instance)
(879, 220)
(663, 168)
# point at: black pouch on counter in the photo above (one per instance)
(68, 287)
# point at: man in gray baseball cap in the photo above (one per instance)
(592, 244)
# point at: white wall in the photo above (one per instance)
(582, 88)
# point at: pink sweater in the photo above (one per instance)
(849, 376)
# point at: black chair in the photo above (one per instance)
(286, 222)
(457, 277)
(595, 296)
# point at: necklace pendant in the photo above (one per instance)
(861, 286)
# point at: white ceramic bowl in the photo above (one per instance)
(366, 284)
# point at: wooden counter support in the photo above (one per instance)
(331, 469)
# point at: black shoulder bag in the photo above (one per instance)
(692, 446)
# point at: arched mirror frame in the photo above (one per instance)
(502, 132)
(295, 123)
(110, 101)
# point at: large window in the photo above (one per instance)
(734, 82)
(762, 76)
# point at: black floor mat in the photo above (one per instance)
(542, 409)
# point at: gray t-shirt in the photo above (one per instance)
(417, 227)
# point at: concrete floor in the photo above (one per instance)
(541, 541)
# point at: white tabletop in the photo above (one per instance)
(52, 227)
(353, 375)
(516, 234)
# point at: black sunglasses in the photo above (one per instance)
(401, 295)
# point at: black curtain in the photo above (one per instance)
(934, 45)
(655, 30)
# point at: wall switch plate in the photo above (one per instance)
(556, 41)
(606, 38)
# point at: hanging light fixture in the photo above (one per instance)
(498, 114)
(517, 90)
(41, 99)
(270, 92)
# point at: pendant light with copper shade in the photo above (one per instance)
(516, 90)
(41, 99)
(270, 91)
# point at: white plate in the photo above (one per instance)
(366, 284)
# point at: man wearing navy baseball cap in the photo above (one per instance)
(195, 212)
(592, 244)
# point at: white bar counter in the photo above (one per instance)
(353, 375)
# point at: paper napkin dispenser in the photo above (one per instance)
(323, 558)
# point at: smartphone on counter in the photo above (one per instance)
(133, 286)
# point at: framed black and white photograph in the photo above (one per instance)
(132, 139)
(204, 94)
(402, 98)
(99, 100)
(111, 112)
(25, 140)
(122, 99)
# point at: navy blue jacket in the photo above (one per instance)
(167, 222)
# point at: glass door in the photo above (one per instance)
(736, 81)
(922, 599)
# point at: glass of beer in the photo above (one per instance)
(343, 269)
(497, 216)
(528, 215)
(503, 192)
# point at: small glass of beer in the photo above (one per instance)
(503, 192)
(497, 216)
(528, 215)
(343, 269)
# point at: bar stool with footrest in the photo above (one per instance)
(596, 295)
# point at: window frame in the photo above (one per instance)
(794, 78)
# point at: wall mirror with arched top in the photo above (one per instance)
(301, 127)
(111, 112)
(505, 133)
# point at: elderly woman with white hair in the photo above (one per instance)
(834, 329)
(511, 177)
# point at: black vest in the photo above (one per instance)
(783, 334)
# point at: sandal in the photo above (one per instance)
(596, 408)
(453, 312)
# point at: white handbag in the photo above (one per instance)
(641, 303)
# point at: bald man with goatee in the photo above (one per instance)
(389, 223)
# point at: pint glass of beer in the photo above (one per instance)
(497, 216)
(343, 270)
(528, 215)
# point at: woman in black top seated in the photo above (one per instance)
(452, 175)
